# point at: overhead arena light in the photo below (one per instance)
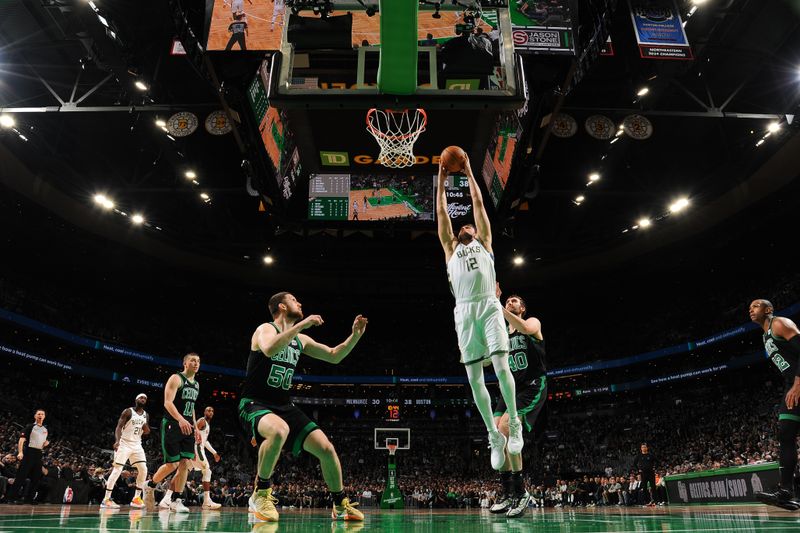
(204, 196)
(773, 127)
(518, 260)
(594, 176)
(137, 219)
(7, 121)
(190, 174)
(268, 260)
(579, 200)
(644, 222)
(103, 201)
(161, 123)
(142, 86)
(643, 91)
(679, 205)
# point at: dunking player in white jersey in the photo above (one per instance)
(200, 463)
(482, 335)
(132, 424)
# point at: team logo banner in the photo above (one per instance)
(600, 127)
(659, 30)
(564, 126)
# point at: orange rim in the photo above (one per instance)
(379, 133)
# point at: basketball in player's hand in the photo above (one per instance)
(453, 159)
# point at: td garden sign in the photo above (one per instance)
(733, 485)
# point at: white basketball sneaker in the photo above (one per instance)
(497, 443)
(178, 507)
(515, 442)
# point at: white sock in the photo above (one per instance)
(168, 495)
(206, 496)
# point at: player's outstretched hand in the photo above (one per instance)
(312, 320)
(216, 457)
(197, 438)
(359, 325)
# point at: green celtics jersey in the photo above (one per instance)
(186, 397)
(526, 358)
(782, 354)
(269, 379)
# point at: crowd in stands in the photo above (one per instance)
(583, 457)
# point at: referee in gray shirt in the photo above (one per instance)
(31, 442)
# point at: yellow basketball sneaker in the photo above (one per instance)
(137, 503)
(264, 505)
(346, 511)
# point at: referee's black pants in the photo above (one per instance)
(29, 467)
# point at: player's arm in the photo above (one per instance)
(334, 355)
(528, 326)
(173, 384)
(482, 226)
(785, 328)
(207, 446)
(123, 419)
(21, 444)
(197, 438)
(146, 426)
(270, 342)
(445, 227)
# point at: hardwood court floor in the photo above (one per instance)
(76, 519)
(376, 212)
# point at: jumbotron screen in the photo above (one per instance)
(368, 197)
(258, 25)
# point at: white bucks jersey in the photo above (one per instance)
(471, 272)
(132, 431)
(204, 433)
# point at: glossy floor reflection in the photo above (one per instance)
(74, 519)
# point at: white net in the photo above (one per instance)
(396, 133)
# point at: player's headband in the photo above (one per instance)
(142, 395)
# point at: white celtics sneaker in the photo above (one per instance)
(515, 442)
(497, 443)
(502, 505)
(178, 507)
(519, 506)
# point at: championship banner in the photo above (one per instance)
(724, 485)
(659, 30)
(542, 27)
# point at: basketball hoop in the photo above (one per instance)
(392, 448)
(396, 132)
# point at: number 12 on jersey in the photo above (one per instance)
(472, 264)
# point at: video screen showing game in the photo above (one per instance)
(500, 154)
(258, 25)
(370, 197)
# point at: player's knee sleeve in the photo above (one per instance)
(206, 475)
